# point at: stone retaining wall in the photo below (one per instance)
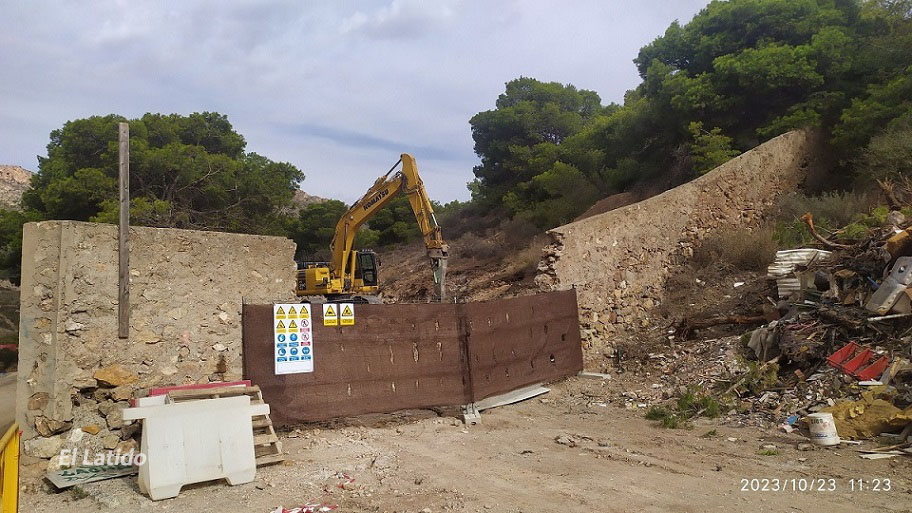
(186, 290)
(618, 261)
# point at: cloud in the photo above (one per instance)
(338, 89)
(345, 137)
(401, 19)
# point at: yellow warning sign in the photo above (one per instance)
(292, 313)
(280, 327)
(293, 326)
(280, 313)
(347, 314)
(330, 315)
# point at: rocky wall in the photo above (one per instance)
(619, 261)
(186, 290)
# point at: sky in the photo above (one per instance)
(339, 89)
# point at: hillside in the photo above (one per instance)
(14, 180)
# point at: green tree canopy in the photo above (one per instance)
(185, 172)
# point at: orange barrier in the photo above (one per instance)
(9, 470)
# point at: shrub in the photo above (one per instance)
(745, 250)
(473, 246)
(688, 406)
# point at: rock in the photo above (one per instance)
(110, 441)
(767, 447)
(43, 447)
(565, 440)
(223, 317)
(38, 401)
(129, 430)
(219, 347)
(126, 446)
(147, 337)
(76, 435)
(114, 418)
(72, 326)
(123, 393)
(92, 429)
(895, 218)
(83, 382)
(50, 427)
(805, 446)
(169, 370)
(115, 375)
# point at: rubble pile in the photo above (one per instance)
(837, 339)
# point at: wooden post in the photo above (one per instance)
(123, 311)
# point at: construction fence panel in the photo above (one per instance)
(521, 341)
(407, 356)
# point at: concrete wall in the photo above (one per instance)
(186, 290)
(619, 261)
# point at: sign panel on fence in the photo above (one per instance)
(330, 314)
(346, 314)
(292, 338)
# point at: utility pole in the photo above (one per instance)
(123, 304)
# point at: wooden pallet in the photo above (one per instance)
(266, 444)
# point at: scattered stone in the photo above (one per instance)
(115, 375)
(76, 435)
(72, 326)
(219, 346)
(565, 440)
(129, 430)
(50, 427)
(123, 393)
(126, 446)
(147, 337)
(91, 429)
(768, 447)
(43, 447)
(110, 441)
(805, 446)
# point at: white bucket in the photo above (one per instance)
(823, 429)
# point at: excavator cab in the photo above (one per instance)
(367, 268)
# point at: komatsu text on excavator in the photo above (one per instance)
(354, 274)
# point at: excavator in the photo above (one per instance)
(354, 275)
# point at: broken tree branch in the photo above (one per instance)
(889, 193)
(809, 221)
(688, 325)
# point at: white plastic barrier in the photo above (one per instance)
(196, 441)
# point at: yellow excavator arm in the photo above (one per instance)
(344, 258)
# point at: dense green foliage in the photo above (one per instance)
(185, 172)
(739, 73)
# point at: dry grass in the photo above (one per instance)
(744, 250)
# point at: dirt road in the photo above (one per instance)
(7, 400)
(569, 451)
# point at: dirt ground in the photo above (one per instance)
(576, 449)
